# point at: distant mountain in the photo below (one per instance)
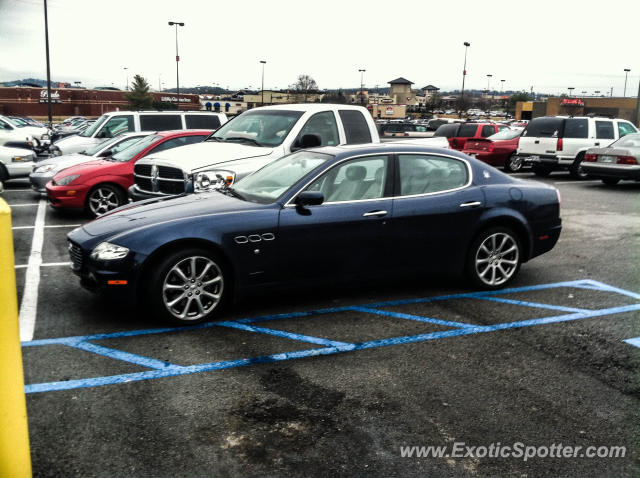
(35, 82)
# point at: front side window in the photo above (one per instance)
(423, 174)
(356, 127)
(258, 128)
(117, 125)
(160, 122)
(323, 125)
(354, 180)
(604, 130)
(625, 129)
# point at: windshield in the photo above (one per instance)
(94, 127)
(628, 141)
(260, 128)
(269, 183)
(506, 134)
(133, 150)
(20, 123)
(96, 147)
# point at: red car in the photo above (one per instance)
(459, 133)
(100, 186)
(498, 150)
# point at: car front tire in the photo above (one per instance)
(104, 198)
(188, 287)
(494, 258)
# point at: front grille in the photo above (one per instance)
(76, 255)
(144, 184)
(142, 169)
(170, 173)
(170, 187)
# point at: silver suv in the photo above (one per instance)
(559, 142)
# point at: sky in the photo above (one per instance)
(547, 45)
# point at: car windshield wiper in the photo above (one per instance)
(244, 140)
(214, 138)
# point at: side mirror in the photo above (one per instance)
(309, 198)
(106, 153)
(307, 141)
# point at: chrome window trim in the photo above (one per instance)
(291, 202)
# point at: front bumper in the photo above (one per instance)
(136, 194)
(609, 170)
(39, 181)
(72, 196)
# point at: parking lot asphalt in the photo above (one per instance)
(335, 381)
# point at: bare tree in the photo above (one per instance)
(303, 86)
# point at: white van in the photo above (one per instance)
(116, 122)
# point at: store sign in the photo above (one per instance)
(389, 110)
(55, 96)
(174, 99)
(572, 102)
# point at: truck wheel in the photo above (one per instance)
(104, 198)
(575, 170)
(541, 171)
(188, 286)
(513, 163)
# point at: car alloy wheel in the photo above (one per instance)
(192, 288)
(495, 258)
(103, 199)
(513, 164)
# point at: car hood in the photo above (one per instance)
(89, 167)
(134, 216)
(203, 155)
(61, 162)
(11, 151)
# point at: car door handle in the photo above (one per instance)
(471, 204)
(597, 144)
(375, 213)
(537, 141)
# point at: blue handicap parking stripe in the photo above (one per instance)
(162, 369)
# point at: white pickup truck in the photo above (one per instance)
(250, 141)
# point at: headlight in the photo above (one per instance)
(43, 169)
(22, 159)
(210, 180)
(44, 136)
(105, 251)
(66, 180)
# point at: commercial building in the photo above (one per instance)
(31, 101)
(598, 106)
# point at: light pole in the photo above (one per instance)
(263, 62)
(488, 90)
(626, 72)
(46, 39)
(464, 74)
(177, 24)
(362, 86)
(127, 75)
(501, 87)
(571, 88)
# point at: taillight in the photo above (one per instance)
(627, 160)
(406, 134)
(559, 145)
(592, 158)
(490, 147)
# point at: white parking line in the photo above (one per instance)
(29, 305)
(47, 227)
(19, 191)
(577, 181)
(26, 204)
(45, 264)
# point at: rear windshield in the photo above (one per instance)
(506, 134)
(467, 130)
(629, 141)
(546, 127)
(447, 130)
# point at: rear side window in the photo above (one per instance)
(355, 127)
(487, 131)
(546, 127)
(576, 128)
(447, 130)
(625, 129)
(160, 122)
(202, 121)
(604, 129)
(467, 130)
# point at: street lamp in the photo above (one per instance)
(177, 24)
(502, 87)
(263, 63)
(127, 75)
(362, 86)
(464, 74)
(571, 88)
(489, 89)
(626, 72)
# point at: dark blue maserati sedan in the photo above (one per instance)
(327, 214)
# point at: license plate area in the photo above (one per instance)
(606, 159)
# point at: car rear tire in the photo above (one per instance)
(575, 170)
(104, 198)
(513, 163)
(610, 181)
(188, 286)
(541, 171)
(4, 175)
(494, 258)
